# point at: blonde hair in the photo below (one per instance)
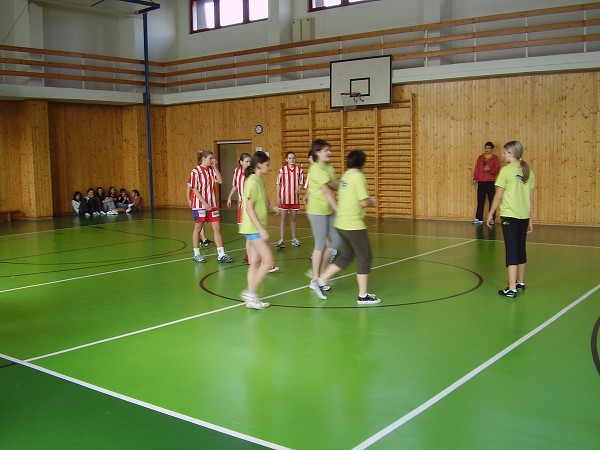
(516, 149)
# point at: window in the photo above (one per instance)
(210, 14)
(317, 5)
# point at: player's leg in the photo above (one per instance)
(283, 213)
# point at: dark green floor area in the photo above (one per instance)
(118, 303)
(40, 411)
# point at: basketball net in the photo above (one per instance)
(350, 100)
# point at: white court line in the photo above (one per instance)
(377, 267)
(28, 361)
(147, 405)
(64, 280)
(89, 344)
(155, 327)
(433, 400)
(115, 271)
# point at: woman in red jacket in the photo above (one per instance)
(484, 175)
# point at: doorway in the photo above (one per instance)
(228, 153)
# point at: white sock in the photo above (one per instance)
(196, 252)
(220, 251)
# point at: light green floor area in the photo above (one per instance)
(118, 305)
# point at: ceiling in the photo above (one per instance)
(99, 6)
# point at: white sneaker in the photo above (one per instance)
(477, 222)
(128, 209)
(257, 304)
(87, 214)
(324, 286)
(314, 285)
(280, 244)
(273, 269)
(252, 301)
(102, 213)
(295, 242)
(248, 296)
(199, 258)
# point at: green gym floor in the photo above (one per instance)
(111, 337)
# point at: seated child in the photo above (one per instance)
(136, 202)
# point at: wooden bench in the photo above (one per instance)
(8, 215)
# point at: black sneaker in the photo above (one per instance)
(369, 299)
(225, 259)
(520, 286)
(206, 242)
(508, 293)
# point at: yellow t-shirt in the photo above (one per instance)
(516, 201)
(320, 174)
(351, 190)
(254, 190)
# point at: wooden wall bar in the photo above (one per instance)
(554, 115)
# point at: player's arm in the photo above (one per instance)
(530, 226)
(264, 234)
(329, 196)
(233, 189)
(218, 177)
(369, 201)
(203, 201)
(495, 204)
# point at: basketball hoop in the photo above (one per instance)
(350, 100)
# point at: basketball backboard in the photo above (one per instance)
(371, 77)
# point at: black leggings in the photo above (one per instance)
(355, 242)
(515, 236)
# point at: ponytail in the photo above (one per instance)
(257, 158)
(515, 148)
(525, 169)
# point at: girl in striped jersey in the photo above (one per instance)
(237, 184)
(289, 181)
(203, 201)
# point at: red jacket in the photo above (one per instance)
(481, 175)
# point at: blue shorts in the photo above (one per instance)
(253, 236)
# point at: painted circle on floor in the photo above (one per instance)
(415, 281)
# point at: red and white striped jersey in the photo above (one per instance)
(239, 180)
(203, 179)
(288, 180)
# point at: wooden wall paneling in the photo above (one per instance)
(160, 173)
(132, 131)
(42, 182)
(12, 130)
(87, 146)
(554, 115)
(35, 160)
(183, 139)
(63, 168)
(546, 112)
(583, 163)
